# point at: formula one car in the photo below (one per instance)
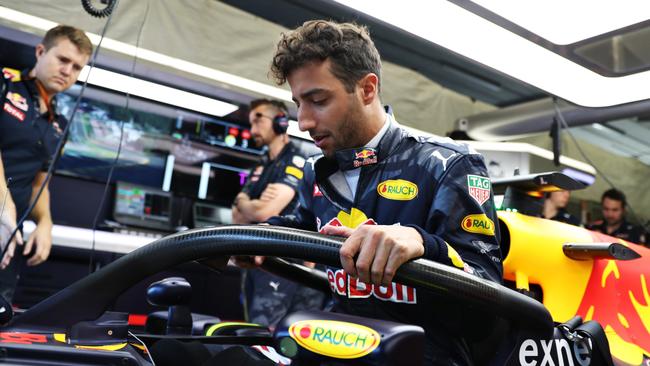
(575, 274)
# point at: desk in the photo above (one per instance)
(79, 238)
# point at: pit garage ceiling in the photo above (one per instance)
(428, 86)
(224, 38)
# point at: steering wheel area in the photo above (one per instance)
(88, 300)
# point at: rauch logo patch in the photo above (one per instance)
(478, 224)
(397, 189)
(335, 338)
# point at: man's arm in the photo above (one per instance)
(7, 220)
(274, 198)
(41, 237)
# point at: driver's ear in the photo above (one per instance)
(369, 88)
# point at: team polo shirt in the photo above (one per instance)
(28, 139)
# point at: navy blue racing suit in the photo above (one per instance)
(436, 186)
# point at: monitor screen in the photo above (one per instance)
(149, 133)
(142, 206)
(209, 215)
(219, 180)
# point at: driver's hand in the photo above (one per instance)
(7, 226)
(380, 250)
(247, 261)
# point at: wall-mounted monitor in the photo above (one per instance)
(142, 206)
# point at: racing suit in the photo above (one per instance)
(268, 298)
(436, 186)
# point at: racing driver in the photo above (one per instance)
(394, 195)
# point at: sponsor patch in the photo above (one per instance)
(352, 220)
(18, 100)
(298, 161)
(345, 285)
(478, 224)
(484, 247)
(479, 188)
(334, 338)
(317, 192)
(14, 112)
(436, 154)
(397, 189)
(454, 257)
(273, 355)
(11, 74)
(292, 170)
(578, 351)
(364, 157)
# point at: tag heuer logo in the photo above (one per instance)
(479, 188)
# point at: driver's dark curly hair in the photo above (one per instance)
(347, 45)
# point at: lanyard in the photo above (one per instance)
(46, 99)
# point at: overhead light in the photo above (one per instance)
(530, 149)
(461, 31)
(160, 93)
(560, 25)
(155, 57)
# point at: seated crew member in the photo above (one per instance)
(270, 191)
(395, 196)
(30, 129)
(613, 204)
(555, 208)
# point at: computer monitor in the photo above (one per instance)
(142, 206)
(210, 215)
(220, 180)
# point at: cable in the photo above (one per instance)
(64, 134)
(565, 125)
(90, 9)
(119, 145)
(143, 345)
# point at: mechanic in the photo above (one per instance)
(394, 195)
(270, 191)
(555, 207)
(613, 204)
(30, 129)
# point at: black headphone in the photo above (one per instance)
(280, 123)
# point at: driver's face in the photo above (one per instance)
(613, 211)
(332, 116)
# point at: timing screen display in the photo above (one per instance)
(137, 201)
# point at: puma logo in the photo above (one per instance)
(275, 285)
(438, 155)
